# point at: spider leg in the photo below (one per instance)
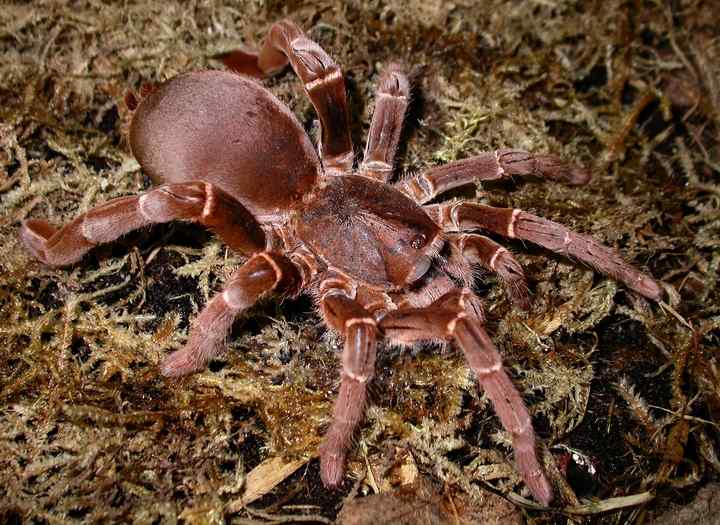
(391, 102)
(321, 77)
(518, 224)
(452, 317)
(199, 201)
(262, 274)
(485, 252)
(490, 165)
(348, 317)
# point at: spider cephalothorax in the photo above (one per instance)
(380, 262)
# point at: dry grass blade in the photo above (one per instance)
(591, 507)
(609, 505)
(265, 477)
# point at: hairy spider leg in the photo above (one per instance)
(491, 165)
(518, 224)
(391, 102)
(198, 201)
(359, 328)
(322, 80)
(451, 318)
(262, 274)
(485, 252)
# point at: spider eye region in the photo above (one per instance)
(419, 241)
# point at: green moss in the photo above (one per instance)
(91, 432)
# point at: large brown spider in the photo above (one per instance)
(378, 260)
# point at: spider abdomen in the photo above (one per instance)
(226, 129)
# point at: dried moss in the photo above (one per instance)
(624, 393)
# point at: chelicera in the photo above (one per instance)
(380, 262)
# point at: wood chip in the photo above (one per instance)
(265, 477)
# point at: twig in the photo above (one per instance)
(610, 504)
(686, 417)
(288, 518)
(589, 508)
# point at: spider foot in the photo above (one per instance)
(535, 479)
(245, 63)
(205, 342)
(182, 362)
(510, 271)
(332, 467)
(518, 162)
(34, 234)
(207, 339)
(133, 98)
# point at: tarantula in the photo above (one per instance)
(379, 261)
